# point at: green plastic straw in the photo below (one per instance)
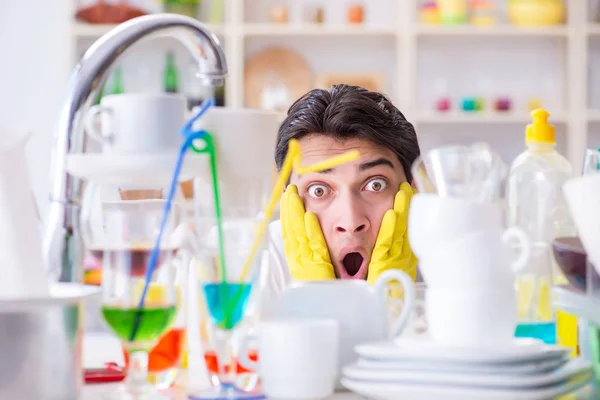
(210, 149)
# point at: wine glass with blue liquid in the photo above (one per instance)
(229, 296)
(230, 263)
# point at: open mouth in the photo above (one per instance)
(353, 266)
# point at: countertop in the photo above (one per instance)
(102, 348)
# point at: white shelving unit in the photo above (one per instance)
(413, 52)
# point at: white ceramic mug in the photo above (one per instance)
(298, 358)
(138, 122)
(472, 318)
(434, 220)
(477, 259)
(359, 308)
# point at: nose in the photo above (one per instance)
(352, 216)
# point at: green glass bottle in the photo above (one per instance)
(171, 79)
(220, 96)
(101, 94)
(117, 85)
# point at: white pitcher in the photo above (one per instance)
(359, 308)
(22, 268)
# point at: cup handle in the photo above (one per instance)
(244, 358)
(409, 296)
(90, 123)
(525, 245)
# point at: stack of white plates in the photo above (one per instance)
(420, 369)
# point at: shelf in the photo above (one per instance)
(498, 30)
(593, 29)
(481, 118)
(314, 30)
(593, 115)
(92, 31)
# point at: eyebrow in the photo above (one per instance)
(366, 166)
(375, 163)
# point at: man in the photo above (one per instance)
(348, 222)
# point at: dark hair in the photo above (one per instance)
(345, 112)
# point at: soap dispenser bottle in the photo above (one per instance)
(536, 205)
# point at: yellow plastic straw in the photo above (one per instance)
(292, 160)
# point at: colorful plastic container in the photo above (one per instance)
(536, 12)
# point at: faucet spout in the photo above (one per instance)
(63, 246)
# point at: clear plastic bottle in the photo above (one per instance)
(536, 204)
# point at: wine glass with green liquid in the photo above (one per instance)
(121, 234)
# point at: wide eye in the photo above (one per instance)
(318, 191)
(376, 185)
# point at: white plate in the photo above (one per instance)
(59, 294)
(425, 350)
(536, 367)
(572, 368)
(395, 391)
(138, 168)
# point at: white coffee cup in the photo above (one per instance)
(478, 317)
(434, 220)
(479, 259)
(298, 358)
(583, 199)
(135, 123)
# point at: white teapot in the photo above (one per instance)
(360, 309)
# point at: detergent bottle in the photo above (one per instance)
(536, 204)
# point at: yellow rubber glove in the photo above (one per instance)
(304, 244)
(392, 250)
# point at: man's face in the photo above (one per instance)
(349, 200)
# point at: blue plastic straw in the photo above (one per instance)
(189, 136)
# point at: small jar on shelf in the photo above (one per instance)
(453, 12)
(482, 13)
(278, 13)
(313, 13)
(355, 13)
(429, 13)
(189, 8)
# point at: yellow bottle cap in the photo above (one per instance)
(540, 131)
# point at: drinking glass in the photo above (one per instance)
(121, 235)
(472, 172)
(229, 286)
(591, 163)
(229, 258)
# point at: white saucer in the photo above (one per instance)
(59, 294)
(138, 168)
(523, 350)
(536, 367)
(390, 391)
(573, 368)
